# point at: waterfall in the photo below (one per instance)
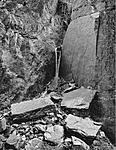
(54, 84)
(57, 61)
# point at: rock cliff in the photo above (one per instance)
(29, 32)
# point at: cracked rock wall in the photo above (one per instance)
(29, 32)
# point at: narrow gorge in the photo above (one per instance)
(51, 53)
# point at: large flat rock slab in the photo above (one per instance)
(79, 52)
(79, 98)
(84, 126)
(27, 106)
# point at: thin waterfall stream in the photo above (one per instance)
(54, 83)
(57, 61)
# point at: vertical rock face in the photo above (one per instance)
(88, 50)
(29, 32)
(79, 49)
(88, 46)
(105, 62)
(106, 52)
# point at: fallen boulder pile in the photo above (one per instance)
(43, 124)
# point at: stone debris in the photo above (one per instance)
(13, 139)
(26, 106)
(2, 124)
(77, 141)
(56, 99)
(84, 126)
(79, 98)
(101, 141)
(2, 140)
(33, 144)
(54, 130)
(80, 30)
(69, 89)
(54, 133)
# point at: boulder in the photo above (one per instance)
(35, 142)
(79, 52)
(26, 106)
(85, 126)
(79, 98)
(13, 139)
(54, 134)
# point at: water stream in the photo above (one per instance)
(54, 83)
(57, 61)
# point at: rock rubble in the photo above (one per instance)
(55, 130)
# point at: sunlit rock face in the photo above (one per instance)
(88, 45)
(79, 51)
(29, 32)
(79, 45)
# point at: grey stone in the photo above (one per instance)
(81, 8)
(79, 52)
(35, 142)
(2, 124)
(26, 106)
(79, 98)
(54, 133)
(78, 142)
(12, 139)
(84, 126)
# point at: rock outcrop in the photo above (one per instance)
(79, 51)
(89, 54)
(29, 33)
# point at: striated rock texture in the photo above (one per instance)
(105, 54)
(105, 68)
(89, 55)
(29, 32)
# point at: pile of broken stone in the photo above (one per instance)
(51, 122)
